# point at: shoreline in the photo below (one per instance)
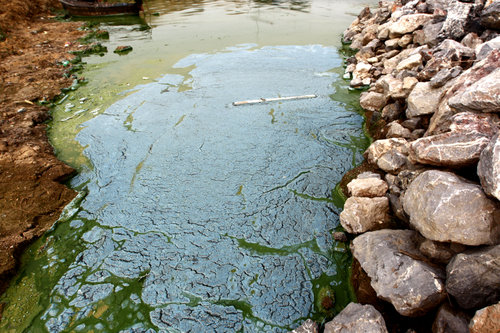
(33, 194)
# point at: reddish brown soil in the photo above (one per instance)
(31, 191)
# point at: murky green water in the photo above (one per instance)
(199, 215)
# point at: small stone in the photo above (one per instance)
(367, 187)
(380, 147)
(123, 49)
(391, 44)
(445, 75)
(395, 130)
(409, 83)
(486, 320)
(392, 111)
(404, 41)
(473, 277)
(440, 252)
(392, 161)
(340, 236)
(357, 318)
(410, 62)
(308, 326)
(488, 167)
(365, 214)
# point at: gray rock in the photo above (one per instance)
(372, 101)
(488, 168)
(308, 326)
(357, 318)
(486, 320)
(380, 147)
(456, 20)
(411, 62)
(440, 252)
(367, 187)
(445, 75)
(395, 130)
(365, 214)
(446, 208)
(423, 100)
(392, 161)
(388, 257)
(429, 34)
(471, 40)
(368, 174)
(473, 277)
(437, 4)
(490, 16)
(482, 50)
(449, 320)
(451, 149)
(409, 23)
(481, 96)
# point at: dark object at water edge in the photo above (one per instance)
(94, 8)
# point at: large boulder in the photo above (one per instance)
(367, 187)
(442, 118)
(308, 326)
(390, 258)
(364, 214)
(488, 168)
(473, 277)
(357, 318)
(451, 149)
(423, 100)
(481, 96)
(409, 23)
(486, 320)
(447, 208)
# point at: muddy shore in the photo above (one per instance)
(32, 194)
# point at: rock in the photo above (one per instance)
(440, 252)
(451, 149)
(392, 161)
(404, 41)
(308, 326)
(417, 134)
(395, 130)
(445, 75)
(441, 119)
(423, 100)
(340, 236)
(486, 320)
(473, 277)
(482, 50)
(380, 147)
(488, 168)
(471, 40)
(429, 34)
(483, 123)
(365, 214)
(411, 123)
(408, 84)
(367, 187)
(450, 320)
(123, 49)
(432, 5)
(490, 16)
(391, 63)
(409, 23)
(481, 96)
(391, 44)
(372, 101)
(392, 111)
(368, 174)
(447, 208)
(388, 257)
(383, 31)
(392, 87)
(411, 62)
(456, 20)
(452, 50)
(357, 318)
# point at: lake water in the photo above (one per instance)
(196, 215)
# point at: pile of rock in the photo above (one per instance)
(428, 232)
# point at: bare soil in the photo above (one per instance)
(32, 194)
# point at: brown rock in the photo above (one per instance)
(446, 208)
(486, 320)
(357, 318)
(392, 161)
(440, 252)
(395, 130)
(409, 23)
(490, 16)
(488, 168)
(380, 147)
(450, 320)
(372, 101)
(367, 187)
(423, 100)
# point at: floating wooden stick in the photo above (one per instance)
(275, 99)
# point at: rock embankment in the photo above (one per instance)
(426, 227)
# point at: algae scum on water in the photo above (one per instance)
(200, 215)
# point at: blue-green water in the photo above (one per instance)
(199, 216)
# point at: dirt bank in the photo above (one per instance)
(32, 45)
